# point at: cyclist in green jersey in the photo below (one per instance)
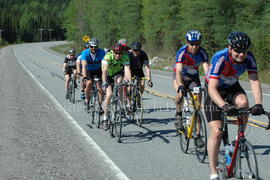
(115, 69)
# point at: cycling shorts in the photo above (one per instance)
(190, 81)
(111, 78)
(94, 74)
(212, 111)
(69, 70)
(138, 73)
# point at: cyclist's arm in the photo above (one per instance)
(127, 72)
(213, 92)
(104, 67)
(147, 70)
(78, 67)
(179, 68)
(84, 64)
(205, 67)
(64, 66)
(256, 88)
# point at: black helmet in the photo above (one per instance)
(239, 41)
(136, 46)
(86, 45)
(71, 51)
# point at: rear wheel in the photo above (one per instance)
(246, 162)
(201, 149)
(93, 107)
(97, 115)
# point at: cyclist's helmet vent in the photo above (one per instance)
(193, 36)
(71, 51)
(118, 47)
(123, 42)
(239, 41)
(136, 46)
(93, 41)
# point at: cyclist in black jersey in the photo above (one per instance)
(69, 67)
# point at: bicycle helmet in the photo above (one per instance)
(71, 51)
(136, 46)
(193, 36)
(123, 42)
(118, 47)
(93, 41)
(239, 41)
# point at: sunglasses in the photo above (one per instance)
(119, 53)
(195, 43)
(72, 54)
(93, 47)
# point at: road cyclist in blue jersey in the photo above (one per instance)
(69, 67)
(91, 68)
(79, 70)
(186, 73)
(224, 92)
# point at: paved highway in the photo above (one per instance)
(44, 136)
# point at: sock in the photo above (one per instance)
(212, 176)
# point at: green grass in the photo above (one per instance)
(62, 49)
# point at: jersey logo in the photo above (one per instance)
(218, 64)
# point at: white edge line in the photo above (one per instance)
(84, 135)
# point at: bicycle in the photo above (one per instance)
(116, 112)
(136, 100)
(193, 122)
(71, 88)
(95, 107)
(243, 162)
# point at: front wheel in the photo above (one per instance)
(201, 143)
(118, 121)
(246, 162)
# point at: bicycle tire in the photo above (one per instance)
(118, 121)
(246, 166)
(139, 109)
(97, 116)
(201, 152)
(111, 120)
(70, 90)
(184, 141)
(72, 93)
(92, 108)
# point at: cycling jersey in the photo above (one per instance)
(227, 71)
(115, 65)
(190, 62)
(137, 62)
(93, 60)
(70, 61)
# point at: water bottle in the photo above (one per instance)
(228, 154)
(188, 116)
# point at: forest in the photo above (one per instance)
(160, 25)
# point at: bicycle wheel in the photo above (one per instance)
(72, 91)
(184, 140)
(111, 120)
(139, 109)
(246, 162)
(201, 149)
(118, 121)
(92, 108)
(97, 115)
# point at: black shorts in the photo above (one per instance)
(138, 73)
(111, 78)
(69, 70)
(190, 81)
(94, 74)
(212, 111)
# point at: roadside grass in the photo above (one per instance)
(62, 49)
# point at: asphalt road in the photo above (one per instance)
(44, 136)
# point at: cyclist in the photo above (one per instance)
(186, 73)
(79, 70)
(138, 59)
(115, 67)
(69, 67)
(91, 68)
(224, 92)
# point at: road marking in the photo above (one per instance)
(83, 134)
